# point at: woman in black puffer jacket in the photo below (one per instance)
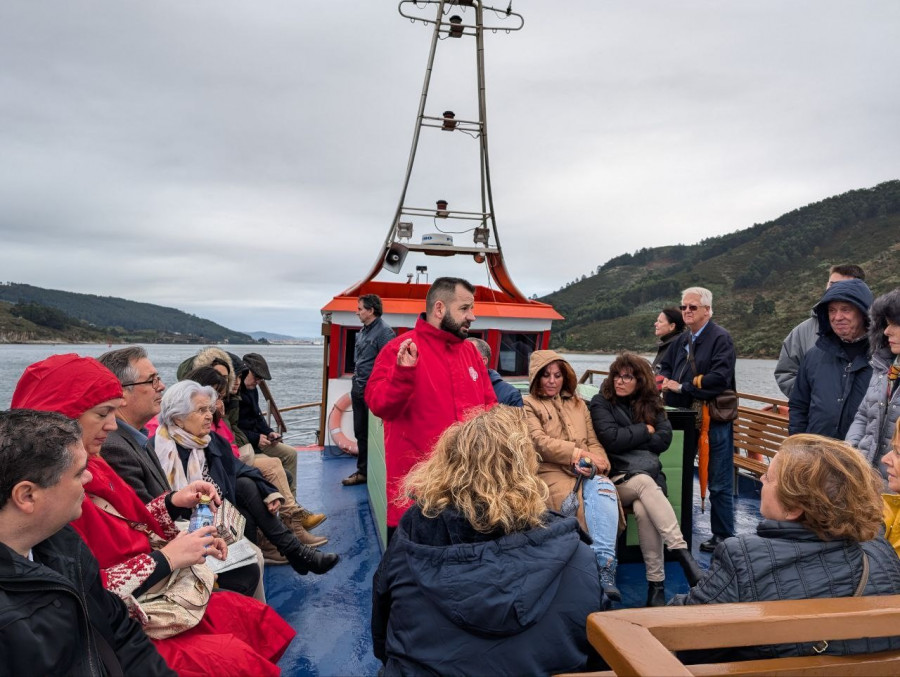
(631, 424)
(821, 504)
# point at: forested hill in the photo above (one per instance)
(764, 279)
(114, 317)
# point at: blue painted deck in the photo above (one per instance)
(331, 613)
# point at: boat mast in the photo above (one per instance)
(398, 241)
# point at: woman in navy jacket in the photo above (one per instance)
(478, 578)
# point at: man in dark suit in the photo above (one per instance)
(126, 447)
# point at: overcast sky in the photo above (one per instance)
(242, 160)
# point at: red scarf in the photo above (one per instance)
(110, 539)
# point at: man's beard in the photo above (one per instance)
(461, 330)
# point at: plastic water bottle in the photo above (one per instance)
(202, 515)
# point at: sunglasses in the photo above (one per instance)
(693, 309)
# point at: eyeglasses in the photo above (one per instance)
(624, 378)
(693, 309)
(204, 410)
(153, 381)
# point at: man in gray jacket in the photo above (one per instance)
(125, 449)
(804, 335)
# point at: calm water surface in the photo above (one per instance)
(297, 370)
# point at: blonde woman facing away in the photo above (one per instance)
(479, 578)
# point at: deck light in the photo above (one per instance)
(481, 235)
(404, 230)
(456, 29)
(479, 257)
(449, 121)
(441, 212)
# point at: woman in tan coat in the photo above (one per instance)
(561, 428)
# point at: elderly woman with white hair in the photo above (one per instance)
(188, 449)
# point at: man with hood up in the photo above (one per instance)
(835, 372)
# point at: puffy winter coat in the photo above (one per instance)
(626, 442)
(419, 403)
(832, 381)
(448, 600)
(558, 425)
(873, 426)
(785, 560)
(54, 609)
(891, 510)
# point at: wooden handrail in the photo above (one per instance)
(640, 641)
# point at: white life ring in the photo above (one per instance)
(344, 443)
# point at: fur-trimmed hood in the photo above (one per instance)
(205, 358)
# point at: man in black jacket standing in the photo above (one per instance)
(700, 365)
(56, 618)
(373, 336)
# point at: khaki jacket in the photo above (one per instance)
(558, 425)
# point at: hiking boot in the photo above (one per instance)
(269, 551)
(310, 520)
(608, 581)
(294, 522)
(656, 593)
(305, 559)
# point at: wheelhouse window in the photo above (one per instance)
(515, 351)
(349, 350)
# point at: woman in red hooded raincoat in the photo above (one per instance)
(237, 635)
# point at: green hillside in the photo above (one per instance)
(764, 278)
(35, 314)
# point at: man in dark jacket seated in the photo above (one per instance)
(55, 616)
(506, 392)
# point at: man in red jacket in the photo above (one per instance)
(425, 380)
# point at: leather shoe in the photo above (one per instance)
(311, 519)
(710, 545)
(355, 478)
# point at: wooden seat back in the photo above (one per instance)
(641, 641)
(758, 433)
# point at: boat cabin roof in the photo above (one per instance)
(401, 298)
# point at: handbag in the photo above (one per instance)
(723, 408)
(230, 522)
(179, 604)
(175, 604)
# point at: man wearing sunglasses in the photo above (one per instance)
(699, 365)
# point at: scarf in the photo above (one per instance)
(111, 540)
(893, 376)
(166, 443)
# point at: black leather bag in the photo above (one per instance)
(724, 407)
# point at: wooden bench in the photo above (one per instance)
(758, 433)
(641, 641)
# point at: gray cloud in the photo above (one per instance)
(242, 161)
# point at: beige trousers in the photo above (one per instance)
(656, 521)
(288, 457)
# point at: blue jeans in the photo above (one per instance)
(601, 514)
(721, 479)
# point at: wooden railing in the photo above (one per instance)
(759, 430)
(641, 641)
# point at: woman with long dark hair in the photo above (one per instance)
(631, 424)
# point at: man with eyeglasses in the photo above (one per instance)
(125, 448)
(698, 366)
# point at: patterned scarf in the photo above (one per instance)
(167, 437)
(893, 376)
